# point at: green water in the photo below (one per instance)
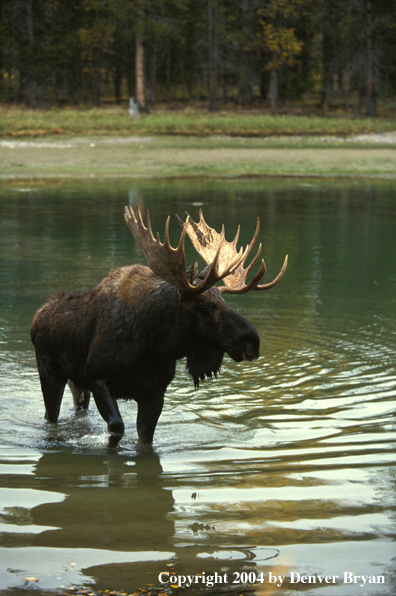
(285, 465)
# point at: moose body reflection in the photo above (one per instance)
(122, 338)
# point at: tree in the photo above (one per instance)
(367, 23)
(61, 52)
(278, 40)
(245, 83)
(140, 61)
(96, 37)
(213, 55)
(331, 23)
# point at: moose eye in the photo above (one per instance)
(206, 308)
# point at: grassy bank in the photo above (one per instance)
(191, 157)
(18, 123)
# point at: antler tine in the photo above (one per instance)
(206, 240)
(239, 286)
(243, 254)
(254, 261)
(277, 278)
(234, 242)
(167, 262)
(225, 263)
(149, 228)
(167, 241)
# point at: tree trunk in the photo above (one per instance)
(245, 87)
(139, 62)
(117, 69)
(273, 90)
(212, 30)
(30, 89)
(2, 69)
(371, 82)
(264, 77)
(96, 79)
(140, 75)
(327, 62)
(168, 71)
(117, 84)
(74, 81)
(153, 74)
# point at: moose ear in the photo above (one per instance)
(203, 273)
(192, 272)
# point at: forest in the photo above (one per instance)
(225, 53)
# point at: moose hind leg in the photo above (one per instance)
(108, 409)
(81, 397)
(52, 388)
(53, 382)
(147, 418)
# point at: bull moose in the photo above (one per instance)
(122, 338)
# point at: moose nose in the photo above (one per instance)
(250, 351)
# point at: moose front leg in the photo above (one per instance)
(147, 418)
(108, 409)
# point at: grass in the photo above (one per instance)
(191, 157)
(105, 143)
(23, 122)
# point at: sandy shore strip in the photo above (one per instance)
(169, 157)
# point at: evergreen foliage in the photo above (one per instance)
(55, 53)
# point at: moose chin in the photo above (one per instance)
(122, 338)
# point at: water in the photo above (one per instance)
(283, 466)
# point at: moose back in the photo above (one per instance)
(122, 338)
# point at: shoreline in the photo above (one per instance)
(171, 157)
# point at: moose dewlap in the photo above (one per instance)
(122, 338)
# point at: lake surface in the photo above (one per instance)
(285, 465)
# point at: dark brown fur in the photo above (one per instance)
(122, 338)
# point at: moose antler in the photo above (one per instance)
(207, 242)
(170, 263)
